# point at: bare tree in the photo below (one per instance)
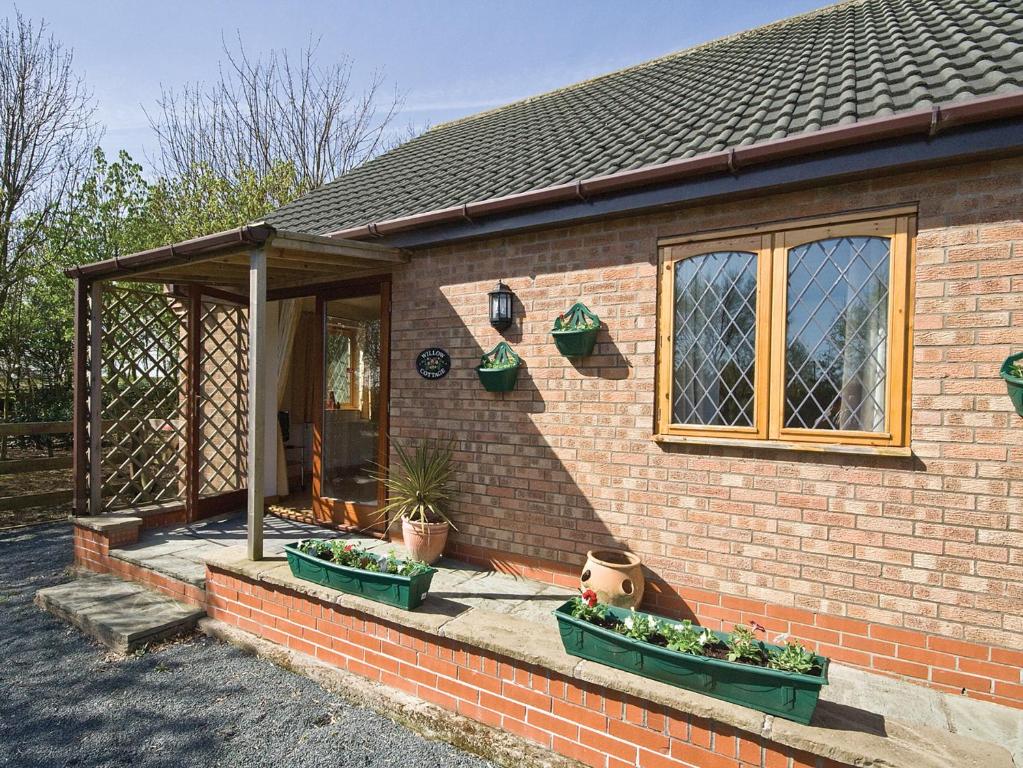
(48, 136)
(270, 110)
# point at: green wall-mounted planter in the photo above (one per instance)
(1013, 381)
(785, 694)
(575, 332)
(401, 591)
(503, 370)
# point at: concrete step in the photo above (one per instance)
(120, 614)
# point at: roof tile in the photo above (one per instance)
(844, 63)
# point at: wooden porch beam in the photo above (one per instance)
(294, 241)
(278, 264)
(329, 261)
(296, 288)
(175, 278)
(205, 269)
(257, 398)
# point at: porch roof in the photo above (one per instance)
(222, 259)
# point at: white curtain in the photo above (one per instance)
(288, 315)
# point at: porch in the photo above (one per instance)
(186, 359)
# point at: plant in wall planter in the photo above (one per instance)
(780, 680)
(418, 492)
(1012, 372)
(499, 368)
(347, 567)
(575, 332)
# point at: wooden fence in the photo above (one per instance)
(24, 466)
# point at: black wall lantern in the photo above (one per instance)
(501, 306)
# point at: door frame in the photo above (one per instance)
(346, 514)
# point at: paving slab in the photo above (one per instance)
(539, 608)
(109, 523)
(916, 705)
(172, 565)
(120, 614)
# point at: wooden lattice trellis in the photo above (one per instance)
(224, 402)
(143, 363)
(143, 423)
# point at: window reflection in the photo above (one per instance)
(837, 334)
(351, 419)
(715, 339)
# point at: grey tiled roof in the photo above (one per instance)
(835, 66)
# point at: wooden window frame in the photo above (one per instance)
(772, 244)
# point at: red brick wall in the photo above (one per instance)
(590, 724)
(911, 566)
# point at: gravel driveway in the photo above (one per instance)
(65, 701)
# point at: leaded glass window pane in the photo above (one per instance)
(339, 367)
(715, 339)
(837, 334)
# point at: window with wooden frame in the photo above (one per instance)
(797, 336)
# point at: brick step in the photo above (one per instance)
(120, 614)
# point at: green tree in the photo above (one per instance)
(202, 201)
(107, 215)
(114, 211)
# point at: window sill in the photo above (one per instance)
(784, 445)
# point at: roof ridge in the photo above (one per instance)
(830, 8)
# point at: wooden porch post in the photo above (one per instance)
(96, 398)
(193, 436)
(80, 407)
(257, 400)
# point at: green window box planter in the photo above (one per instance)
(788, 695)
(1013, 381)
(405, 592)
(575, 332)
(499, 369)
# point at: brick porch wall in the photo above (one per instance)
(912, 567)
(92, 552)
(597, 727)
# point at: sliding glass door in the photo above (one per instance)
(352, 419)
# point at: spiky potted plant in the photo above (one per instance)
(418, 491)
(1012, 372)
(575, 332)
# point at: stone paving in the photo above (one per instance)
(120, 614)
(182, 552)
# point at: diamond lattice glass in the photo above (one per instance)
(837, 334)
(339, 366)
(715, 339)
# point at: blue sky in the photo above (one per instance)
(449, 59)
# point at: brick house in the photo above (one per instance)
(805, 246)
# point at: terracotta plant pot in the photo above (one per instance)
(424, 541)
(615, 575)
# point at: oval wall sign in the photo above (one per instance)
(433, 363)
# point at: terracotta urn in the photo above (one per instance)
(424, 541)
(615, 575)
